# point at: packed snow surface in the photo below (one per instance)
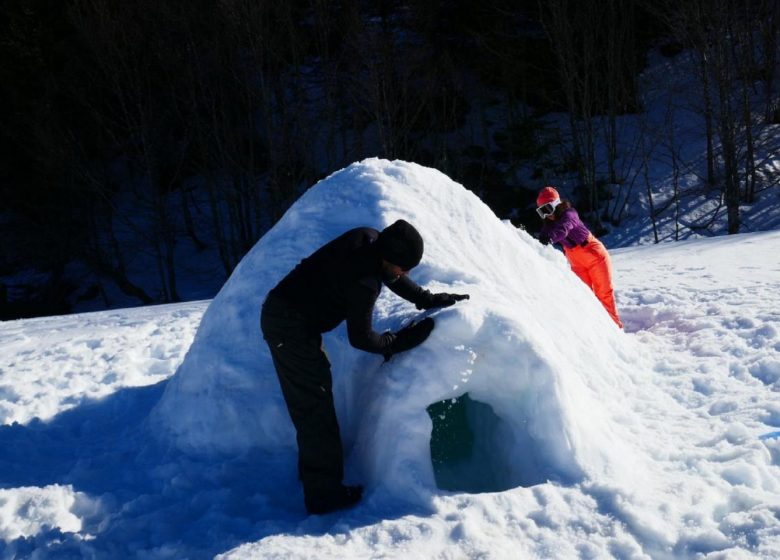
(573, 439)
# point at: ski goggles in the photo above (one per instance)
(547, 209)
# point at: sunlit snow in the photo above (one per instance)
(660, 441)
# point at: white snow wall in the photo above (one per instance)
(515, 346)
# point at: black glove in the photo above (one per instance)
(442, 300)
(409, 337)
(544, 239)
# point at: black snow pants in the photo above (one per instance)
(305, 377)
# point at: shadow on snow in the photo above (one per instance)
(154, 500)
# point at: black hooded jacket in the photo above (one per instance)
(341, 281)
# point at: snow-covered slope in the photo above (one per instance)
(660, 442)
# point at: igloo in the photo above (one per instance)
(500, 395)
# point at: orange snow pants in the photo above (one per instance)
(594, 267)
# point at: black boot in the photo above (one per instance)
(322, 501)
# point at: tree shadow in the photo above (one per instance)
(154, 500)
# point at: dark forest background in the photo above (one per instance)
(131, 129)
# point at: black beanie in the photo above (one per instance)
(401, 244)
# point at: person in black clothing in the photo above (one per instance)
(340, 281)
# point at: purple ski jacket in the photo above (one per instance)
(567, 230)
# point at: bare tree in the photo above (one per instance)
(125, 45)
(769, 26)
(595, 47)
(723, 35)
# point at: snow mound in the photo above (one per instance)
(27, 511)
(510, 359)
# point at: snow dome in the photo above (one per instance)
(498, 396)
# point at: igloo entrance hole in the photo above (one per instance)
(474, 450)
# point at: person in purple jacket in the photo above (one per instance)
(587, 255)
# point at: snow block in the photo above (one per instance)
(522, 346)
